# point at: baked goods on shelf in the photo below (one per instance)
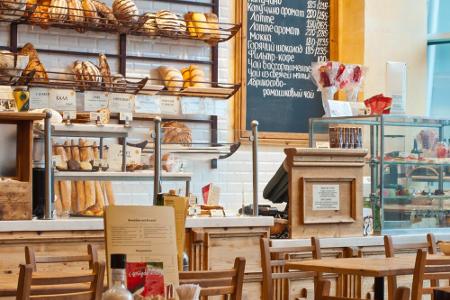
(58, 10)
(193, 76)
(75, 12)
(167, 161)
(34, 68)
(105, 13)
(40, 14)
(173, 79)
(176, 133)
(203, 26)
(90, 12)
(88, 74)
(12, 10)
(170, 23)
(126, 12)
(148, 23)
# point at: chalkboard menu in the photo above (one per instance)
(283, 38)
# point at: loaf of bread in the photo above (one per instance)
(148, 21)
(87, 73)
(213, 33)
(58, 10)
(40, 14)
(34, 64)
(197, 25)
(105, 13)
(176, 133)
(173, 80)
(193, 76)
(126, 12)
(170, 23)
(12, 10)
(105, 71)
(90, 12)
(75, 11)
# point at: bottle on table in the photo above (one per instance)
(118, 291)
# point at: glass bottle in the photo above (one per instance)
(118, 291)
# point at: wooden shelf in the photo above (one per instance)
(13, 117)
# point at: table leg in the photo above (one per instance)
(379, 288)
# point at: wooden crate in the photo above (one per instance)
(15, 201)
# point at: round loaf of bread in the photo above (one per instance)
(126, 12)
(148, 21)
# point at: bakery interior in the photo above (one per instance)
(307, 129)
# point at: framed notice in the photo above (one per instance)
(328, 200)
(146, 234)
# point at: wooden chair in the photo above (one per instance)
(390, 248)
(218, 283)
(323, 292)
(428, 269)
(31, 259)
(27, 280)
(276, 278)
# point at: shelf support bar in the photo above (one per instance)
(254, 140)
(123, 54)
(48, 207)
(157, 164)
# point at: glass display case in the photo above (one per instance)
(408, 165)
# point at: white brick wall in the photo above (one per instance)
(233, 174)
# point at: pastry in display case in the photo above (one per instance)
(409, 167)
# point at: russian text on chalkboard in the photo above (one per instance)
(283, 38)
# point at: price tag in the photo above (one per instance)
(121, 102)
(39, 98)
(69, 115)
(133, 156)
(148, 104)
(170, 105)
(339, 108)
(63, 100)
(193, 106)
(126, 116)
(6, 92)
(94, 100)
(216, 213)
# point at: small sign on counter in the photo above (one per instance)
(326, 197)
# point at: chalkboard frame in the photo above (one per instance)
(240, 106)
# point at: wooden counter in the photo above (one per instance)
(212, 243)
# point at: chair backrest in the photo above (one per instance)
(28, 280)
(32, 259)
(323, 292)
(275, 276)
(428, 269)
(218, 283)
(390, 248)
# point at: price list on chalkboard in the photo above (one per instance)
(283, 38)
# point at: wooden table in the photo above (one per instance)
(377, 267)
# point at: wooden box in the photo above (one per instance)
(325, 191)
(15, 201)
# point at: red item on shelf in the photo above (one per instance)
(136, 272)
(379, 104)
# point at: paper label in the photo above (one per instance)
(193, 106)
(339, 108)
(216, 213)
(148, 104)
(322, 144)
(69, 115)
(63, 100)
(6, 92)
(126, 116)
(94, 100)
(133, 156)
(170, 105)
(325, 197)
(39, 98)
(121, 102)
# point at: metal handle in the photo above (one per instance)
(157, 164)
(48, 209)
(254, 139)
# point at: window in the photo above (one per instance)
(439, 58)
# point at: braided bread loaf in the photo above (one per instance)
(170, 23)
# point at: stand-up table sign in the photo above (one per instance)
(283, 38)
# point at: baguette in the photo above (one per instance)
(79, 184)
